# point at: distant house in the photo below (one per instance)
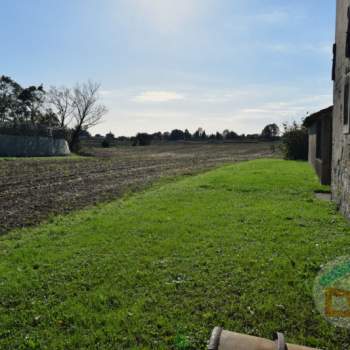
(319, 126)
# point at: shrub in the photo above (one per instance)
(142, 139)
(295, 144)
(105, 144)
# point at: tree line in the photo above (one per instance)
(270, 132)
(74, 110)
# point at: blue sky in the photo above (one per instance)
(164, 64)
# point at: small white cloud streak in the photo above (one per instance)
(158, 97)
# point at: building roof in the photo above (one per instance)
(327, 112)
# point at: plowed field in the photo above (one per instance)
(32, 190)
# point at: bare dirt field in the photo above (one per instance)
(31, 190)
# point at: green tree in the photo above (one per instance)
(177, 135)
(142, 139)
(271, 131)
(199, 134)
(9, 103)
(295, 142)
(218, 136)
(20, 105)
(231, 135)
(110, 136)
(187, 135)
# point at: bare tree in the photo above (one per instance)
(86, 110)
(60, 99)
(77, 109)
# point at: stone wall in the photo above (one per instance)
(327, 144)
(32, 146)
(341, 132)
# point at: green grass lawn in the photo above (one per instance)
(239, 247)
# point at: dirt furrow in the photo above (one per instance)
(33, 190)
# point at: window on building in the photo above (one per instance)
(319, 140)
(346, 103)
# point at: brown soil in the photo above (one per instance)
(32, 190)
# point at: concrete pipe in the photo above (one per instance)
(224, 340)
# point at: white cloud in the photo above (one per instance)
(158, 96)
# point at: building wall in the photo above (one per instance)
(341, 139)
(322, 166)
(32, 146)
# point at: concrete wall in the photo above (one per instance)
(32, 146)
(341, 137)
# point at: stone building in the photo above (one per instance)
(319, 126)
(341, 120)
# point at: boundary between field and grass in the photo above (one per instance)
(72, 156)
